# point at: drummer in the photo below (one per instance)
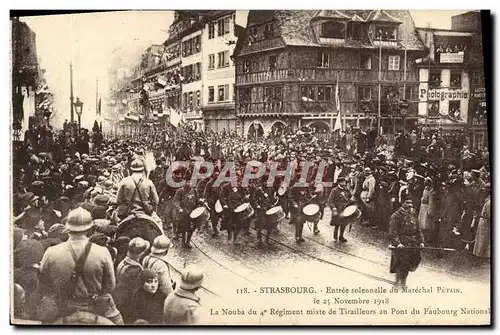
(407, 238)
(262, 200)
(298, 200)
(185, 201)
(340, 197)
(211, 195)
(231, 198)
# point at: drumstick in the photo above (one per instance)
(426, 248)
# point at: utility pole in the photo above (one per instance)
(71, 91)
(379, 86)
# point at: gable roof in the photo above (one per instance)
(382, 16)
(330, 14)
(294, 26)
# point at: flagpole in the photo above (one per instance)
(379, 78)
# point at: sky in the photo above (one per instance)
(90, 40)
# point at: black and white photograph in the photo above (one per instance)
(250, 167)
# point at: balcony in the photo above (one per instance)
(194, 114)
(324, 74)
(260, 108)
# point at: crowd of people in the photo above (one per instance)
(71, 194)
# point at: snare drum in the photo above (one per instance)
(244, 211)
(218, 207)
(275, 214)
(350, 214)
(311, 213)
(199, 215)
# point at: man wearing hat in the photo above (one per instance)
(368, 195)
(158, 262)
(340, 197)
(407, 238)
(482, 247)
(183, 307)
(98, 276)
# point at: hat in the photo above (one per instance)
(368, 170)
(108, 184)
(101, 200)
(192, 277)
(28, 252)
(56, 230)
(147, 275)
(101, 179)
(28, 197)
(18, 236)
(30, 218)
(160, 244)
(100, 239)
(79, 220)
(137, 165)
(138, 245)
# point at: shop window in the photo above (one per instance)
(323, 59)
(393, 63)
(364, 93)
(456, 79)
(433, 109)
(211, 94)
(333, 30)
(365, 62)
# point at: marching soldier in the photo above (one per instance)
(282, 195)
(185, 202)
(232, 197)
(340, 197)
(211, 195)
(298, 198)
(407, 238)
(262, 200)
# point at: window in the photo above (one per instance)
(223, 26)
(272, 63)
(411, 93)
(323, 59)
(211, 94)
(227, 22)
(220, 93)
(357, 31)
(333, 30)
(385, 33)
(277, 94)
(307, 93)
(246, 66)
(365, 62)
(198, 99)
(268, 94)
(321, 93)
(433, 109)
(328, 93)
(454, 109)
(226, 92)
(211, 30)
(211, 61)
(393, 63)
(269, 31)
(477, 78)
(434, 78)
(364, 93)
(223, 59)
(456, 79)
(191, 46)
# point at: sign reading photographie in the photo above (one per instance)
(443, 94)
(453, 58)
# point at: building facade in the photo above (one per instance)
(218, 44)
(291, 61)
(471, 22)
(445, 88)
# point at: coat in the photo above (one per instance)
(146, 189)
(368, 193)
(128, 275)
(147, 306)
(427, 211)
(182, 308)
(482, 248)
(160, 265)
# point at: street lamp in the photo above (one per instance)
(79, 109)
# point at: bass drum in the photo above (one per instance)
(139, 226)
(84, 318)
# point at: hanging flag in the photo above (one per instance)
(98, 112)
(175, 117)
(338, 122)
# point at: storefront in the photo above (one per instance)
(479, 118)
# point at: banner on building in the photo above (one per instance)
(453, 58)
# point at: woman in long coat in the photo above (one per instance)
(482, 248)
(426, 215)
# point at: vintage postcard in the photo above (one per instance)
(260, 167)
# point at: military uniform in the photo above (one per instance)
(232, 200)
(298, 200)
(404, 230)
(185, 201)
(338, 200)
(211, 195)
(262, 200)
